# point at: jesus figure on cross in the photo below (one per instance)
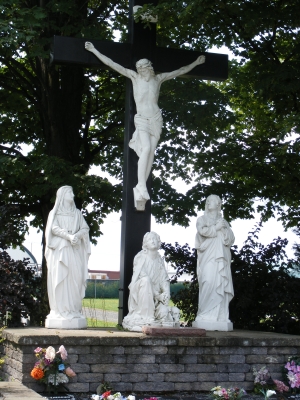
(148, 120)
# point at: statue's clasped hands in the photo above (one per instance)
(73, 240)
(220, 224)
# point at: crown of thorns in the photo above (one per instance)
(143, 63)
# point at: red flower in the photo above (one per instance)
(37, 373)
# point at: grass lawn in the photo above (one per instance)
(95, 323)
(101, 304)
(106, 304)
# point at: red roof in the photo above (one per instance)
(110, 274)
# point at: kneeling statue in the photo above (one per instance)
(149, 296)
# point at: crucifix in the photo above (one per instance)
(136, 213)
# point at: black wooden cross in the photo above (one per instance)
(142, 44)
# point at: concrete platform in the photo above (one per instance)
(137, 363)
(31, 335)
(17, 391)
(177, 332)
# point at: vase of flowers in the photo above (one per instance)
(52, 368)
(219, 393)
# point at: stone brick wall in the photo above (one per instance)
(138, 363)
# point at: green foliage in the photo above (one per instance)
(19, 292)
(256, 156)
(238, 139)
(184, 260)
(266, 286)
(104, 387)
(267, 292)
(97, 289)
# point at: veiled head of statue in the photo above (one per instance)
(65, 200)
(151, 241)
(213, 201)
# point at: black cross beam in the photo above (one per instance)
(142, 44)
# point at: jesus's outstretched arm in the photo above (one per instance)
(181, 71)
(109, 62)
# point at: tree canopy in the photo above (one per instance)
(238, 139)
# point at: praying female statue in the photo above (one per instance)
(67, 253)
(149, 296)
(213, 241)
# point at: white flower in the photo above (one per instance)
(95, 397)
(131, 397)
(117, 395)
(110, 397)
(269, 393)
(59, 378)
(50, 353)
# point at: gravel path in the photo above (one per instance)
(101, 315)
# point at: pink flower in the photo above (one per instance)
(280, 386)
(38, 349)
(70, 372)
(63, 352)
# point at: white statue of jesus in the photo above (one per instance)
(148, 120)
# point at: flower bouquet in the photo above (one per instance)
(117, 396)
(219, 393)
(51, 368)
(263, 383)
(292, 368)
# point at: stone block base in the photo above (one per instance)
(139, 363)
(213, 326)
(16, 391)
(57, 323)
(178, 332)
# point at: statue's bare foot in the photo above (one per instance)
(142, 189)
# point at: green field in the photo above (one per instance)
(106, 304)
(101, 304)
(95, 323)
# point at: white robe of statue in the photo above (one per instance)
(148, 302)
(67, 253)
(213, 241)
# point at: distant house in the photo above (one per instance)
(102, 274)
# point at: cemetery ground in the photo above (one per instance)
(102, 313)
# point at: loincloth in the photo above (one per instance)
(152, 126)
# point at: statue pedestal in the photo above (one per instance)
(60, 323)
(213, 325)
